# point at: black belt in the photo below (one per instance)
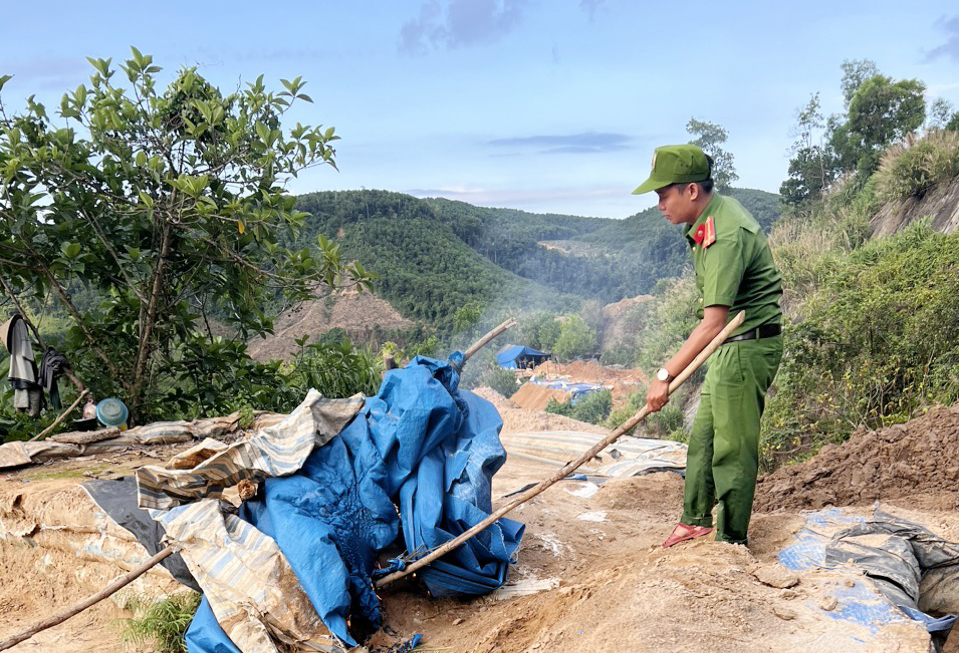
(764, 331)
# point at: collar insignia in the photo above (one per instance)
(709, 232)
(699, 234)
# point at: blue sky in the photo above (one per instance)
(541, 106)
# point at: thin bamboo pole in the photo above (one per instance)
(76, 402)
(86, 603)
(479, 344)
(571, 466)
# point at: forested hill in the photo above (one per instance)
(657, 248)
(426, 270)
(434, 256)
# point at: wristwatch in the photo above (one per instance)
(662, 374)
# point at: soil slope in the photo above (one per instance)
(914, 461)
(361, 315)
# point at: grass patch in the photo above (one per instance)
(164, 622)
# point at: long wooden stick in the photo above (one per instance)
(76, 402)
(571, 466)
(96, 598)
(479, 344)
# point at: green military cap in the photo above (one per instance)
(675, 164)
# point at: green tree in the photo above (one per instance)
(466, 316)
(170, 202)
(810, 173)
(953, 124)
(854, 73)
(575, 339)
(812, 167)
(540, 330)
(881, 113)
(711, 137)
(940, 112)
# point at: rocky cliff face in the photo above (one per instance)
(941, 204)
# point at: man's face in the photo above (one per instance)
(676, 203)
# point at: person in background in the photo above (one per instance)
(734, 272)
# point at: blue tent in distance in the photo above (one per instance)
(514, 357)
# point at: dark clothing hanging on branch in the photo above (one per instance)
(52, 367)
(23, 375)
(29, 382)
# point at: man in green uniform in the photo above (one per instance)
(734, 272)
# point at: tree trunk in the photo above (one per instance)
(79, 320)
(148, 320)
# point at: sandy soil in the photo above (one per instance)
(613, 588)
(54, 547)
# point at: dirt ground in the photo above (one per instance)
(913, 462)
(612, 588)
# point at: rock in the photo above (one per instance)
(776, 576)
(828, 603)
(784, 613)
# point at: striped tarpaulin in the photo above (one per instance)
(277, 450)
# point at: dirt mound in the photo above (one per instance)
(536, 397)
(590, 372)
(519, 420)
(657, 493)
(618, 590)
(361, 315)
(912, 459)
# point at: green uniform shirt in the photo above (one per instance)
(736, 270)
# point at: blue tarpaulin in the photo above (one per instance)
(418, 458)
(514, 357)
(892, 552)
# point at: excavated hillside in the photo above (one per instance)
(361, 315)
(941, 204)
(913, 462)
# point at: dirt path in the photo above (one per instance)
(611, 587)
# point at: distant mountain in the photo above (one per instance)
(435, 256)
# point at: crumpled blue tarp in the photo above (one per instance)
(420, 447)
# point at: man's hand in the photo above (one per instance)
(657, 396)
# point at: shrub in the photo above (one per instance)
(495, 377)
(337, 369)
(912, 170)
(879, 343)
(592, 408)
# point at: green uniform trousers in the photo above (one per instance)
(723, 456)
